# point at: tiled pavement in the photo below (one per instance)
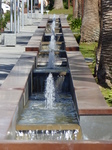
(10, 55)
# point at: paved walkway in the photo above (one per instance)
(10, 55)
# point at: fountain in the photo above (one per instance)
(51, 59)
(49, 92)
(52, 53)
(51, 112)
(52, 46)
(30, 124)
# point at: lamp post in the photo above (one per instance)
(22, 13)
(31, 8)
(14, 16)
(0, 14)
(18, 15)
(11, 14)
(42, 7)
(28, 8)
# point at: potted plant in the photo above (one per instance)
(3, 23)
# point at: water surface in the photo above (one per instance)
(36, 112)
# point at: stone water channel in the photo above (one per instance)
(51, 112)
(83, 122)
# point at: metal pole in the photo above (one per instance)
(18, 16)
(31, 8)
(34, 6)
(14, 16)
(0, 10)
(23, 13)
(11, 14)
(42, 7)
(0, 15)
(28, 8)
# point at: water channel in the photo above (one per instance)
(52, 107)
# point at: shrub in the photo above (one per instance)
(7, 16)
(50, 5)
(66, 5)
(70, 17)
(77, 37)
(76, 23)
(2, 23)
(4, 19)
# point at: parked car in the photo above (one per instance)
(5, 8)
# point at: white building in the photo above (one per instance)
(8, 1)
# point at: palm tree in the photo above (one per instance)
(98, 50)
(80, 8)
(90, 22)
(105, 51)
(75, 8)
(58, 4)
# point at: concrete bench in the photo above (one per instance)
(8, 39)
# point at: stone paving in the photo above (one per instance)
(10, 55)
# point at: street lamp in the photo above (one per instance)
(42, 7)
(14, 16)
(11, 14)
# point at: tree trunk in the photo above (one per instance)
(105, 64)
(58, 4)
(90, 22)
(98, 50)
(75, 8)
(79, 8)
(68, 4)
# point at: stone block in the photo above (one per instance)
(9, 39)
(2, 38)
